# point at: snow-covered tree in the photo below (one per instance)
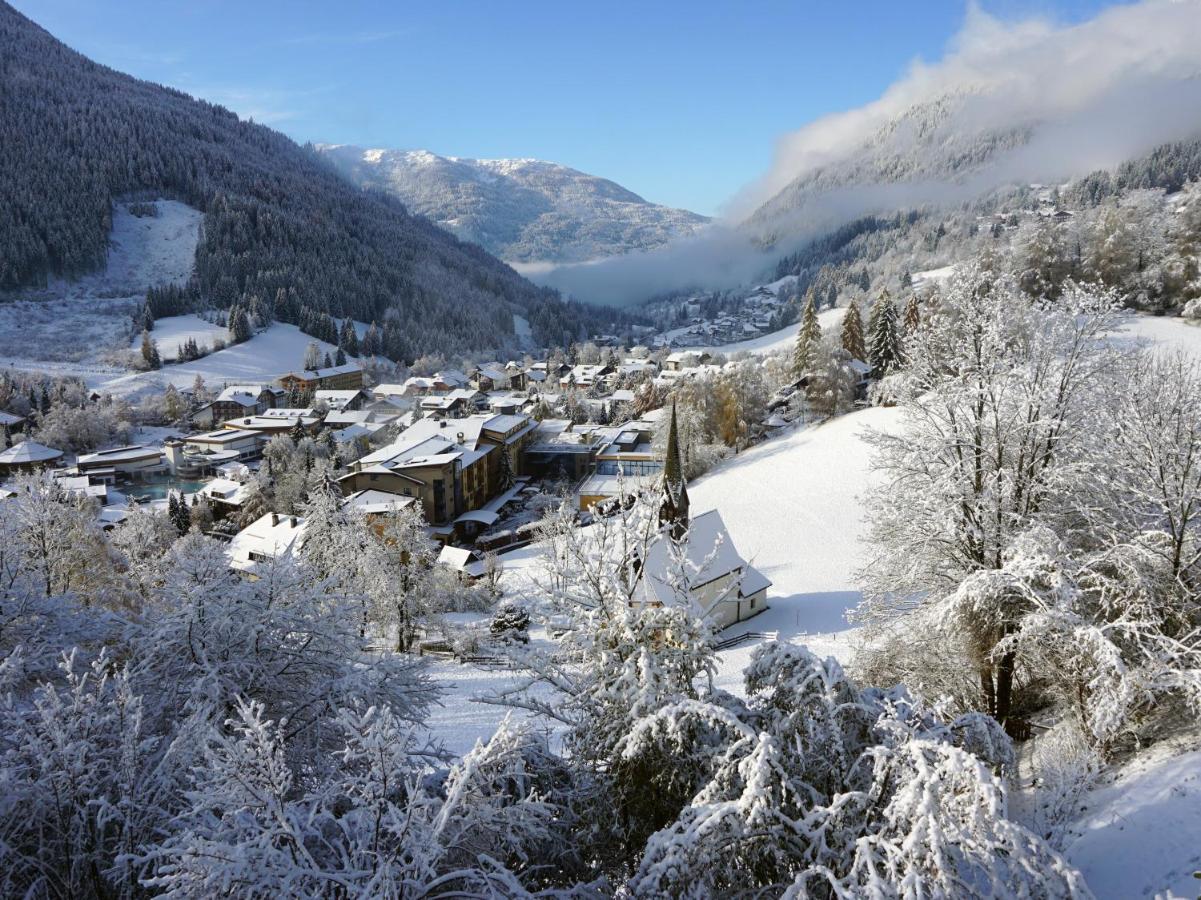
(808, 340)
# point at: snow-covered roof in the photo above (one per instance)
(335, 399)
(327, 372)
(225, 490)
(710, 555)
(7, 418)
(242, 394)
(371, 501)
(270, 537)
(458, 558)
(131, 453)
(28, 453)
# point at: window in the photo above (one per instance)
(255, 556)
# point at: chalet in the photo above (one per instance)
(226, 495)
(489, 377)
(685, 359)
(28, 456)
(270, 538)
(348, 377)
(244, 400)
(458, 402)
(341, 401)
(585, 376)
(518, 379)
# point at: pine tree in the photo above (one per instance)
(239, 325)
(349, 339)
(913, 315)
(177, 512)
(808, 340)
(885, 349)
(297, 434)
(673, 508)
(340, 359)
(327, 362)
(852, 332)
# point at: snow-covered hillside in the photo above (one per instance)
(278, 349)
(77, 322)
(523, 210)
(171, 332)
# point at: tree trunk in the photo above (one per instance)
(1005, 687)
(988, 690)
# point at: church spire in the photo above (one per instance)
(673, 509)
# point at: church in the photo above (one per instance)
(724, 587)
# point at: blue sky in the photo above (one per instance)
(679, 101)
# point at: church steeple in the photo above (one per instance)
(673, 509)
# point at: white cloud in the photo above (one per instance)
(1096, 93)
(1088, 96)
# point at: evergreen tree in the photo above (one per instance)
(150, 352)
(852, 332)
(808, 340)
(239, 325)
(340, 359)
(885, 349)
(297, 434)
(327, 361)
(177, 511)
(349, 339)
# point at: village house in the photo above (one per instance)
(624, 464)
(225, 495)
(241, 400)
(341, 401)
(348, 377)
(518, 380)
(10, 423)
(452, 466)
(684, 359)
(585, 376)
(270, 538)
(489, 377)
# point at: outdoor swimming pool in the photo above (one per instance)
(157, 488)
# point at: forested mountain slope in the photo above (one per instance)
(523, 210)
(283, 233)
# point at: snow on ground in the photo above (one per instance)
(776, 340)
(792, 506)
(932, 276)
(1165, 332)
(270, 353)
(521, 328)
(1140, 834)
(172, 331)
(149, 250)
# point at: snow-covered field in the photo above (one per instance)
(270, 353)
(171, 332)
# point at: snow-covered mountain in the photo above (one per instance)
(522, 210)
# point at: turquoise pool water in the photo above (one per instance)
(158, 488)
